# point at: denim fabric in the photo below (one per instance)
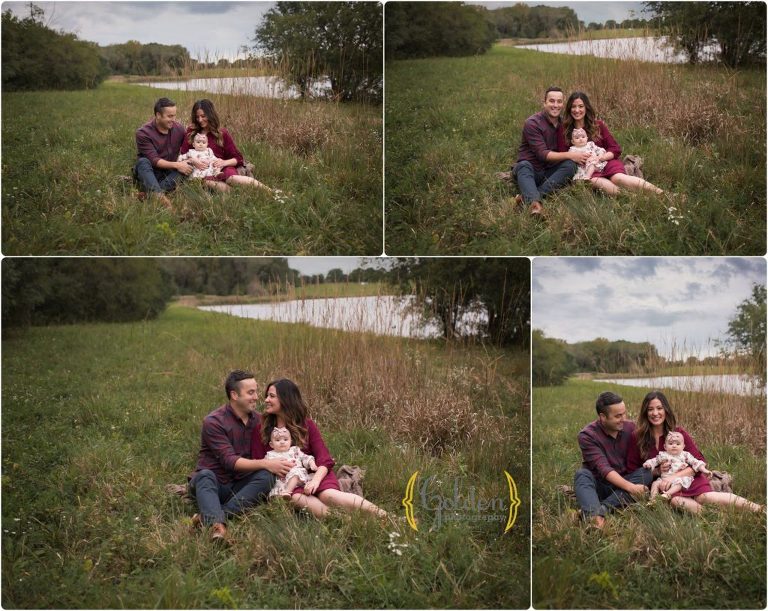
(597, 497)
(217, 502)
(154, 179)
(535, 185)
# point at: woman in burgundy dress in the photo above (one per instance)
(285, 407)
(579, 113)
(205, 120)
(655, 421)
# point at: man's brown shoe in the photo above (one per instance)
(535, 209)
(219, 533)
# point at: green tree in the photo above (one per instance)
(746, 330)
(447, 288)
(429, 29)
(36, 57)
(56, 291)
(551, 363)
(338, 40)
(737, 28)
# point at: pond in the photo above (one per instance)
(642, 48)
(260, 86)
(382, 315)
(736, 384)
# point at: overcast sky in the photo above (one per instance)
(217, 29)
(670, 302)
(599, 12)
(322, 265)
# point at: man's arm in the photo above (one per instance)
(580, 156)
(278, 467)
(616, 480)
(182, 166)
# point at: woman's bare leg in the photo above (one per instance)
(633, 182)
(726, 498)
(686, 503)
(315, 506)
(605, 185)
(246, 180)
(215, 185)
(347, 499)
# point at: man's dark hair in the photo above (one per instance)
(605, 400)
(234, 379)
(546, 93)
(163, 103)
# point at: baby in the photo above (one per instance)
(581, 142)
(674, 452)
(201, 151)
(280, 442)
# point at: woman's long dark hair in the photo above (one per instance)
(213, 120)
(643, 431)
(294, 413)
(590, 120)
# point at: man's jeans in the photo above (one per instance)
(155, 180)
(597, 497)
(535, 185)
(217, 502)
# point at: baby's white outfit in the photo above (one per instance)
(581, 172)
(208, 156)
(303, 462)
(677, 463)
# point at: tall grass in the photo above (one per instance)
(98, 418)
(62, 161)
(649, 557)
(452, 123)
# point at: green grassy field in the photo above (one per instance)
(452, 123)
(649, 558)
(63, 153)
(98, 418)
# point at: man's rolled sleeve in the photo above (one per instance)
(146, 148)
(215, 437)
(593, 456)
(535, 139)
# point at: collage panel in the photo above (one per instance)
(483, 99)
(649, 433)
(406, 379)
(102, 102)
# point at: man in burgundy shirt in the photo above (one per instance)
(158, 142)
(603, 483)
(540, 169)
(227, 481)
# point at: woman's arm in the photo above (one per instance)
(608, 142)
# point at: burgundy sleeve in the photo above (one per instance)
(316, 447)
(230, 150)
(634, 461)
(608, 141)
(690, 445)
(593, 455)
(535, 139)
(146, 147)
(258, 451)
(215, 437)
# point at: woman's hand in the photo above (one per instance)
(311, 486)
(664, 485)
(221, 163)
(198, 163)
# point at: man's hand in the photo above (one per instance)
(580, 157)
(280, 467)
(198, 163)
(637, 490)
(184, 168)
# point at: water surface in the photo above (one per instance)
(736, 384)
(260, 86)
(643, 48)
(383, 315)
